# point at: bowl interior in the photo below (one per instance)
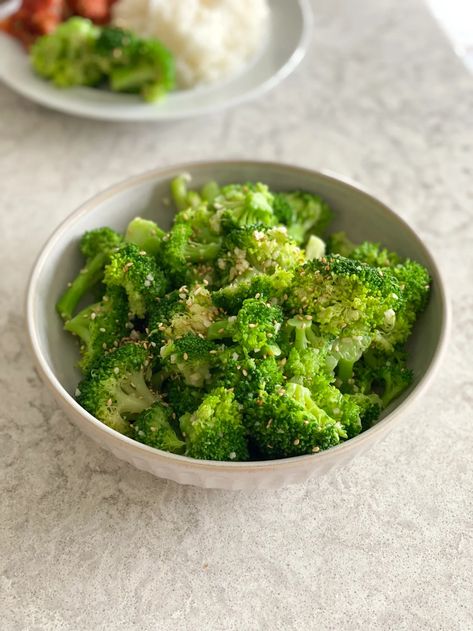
(356, 212)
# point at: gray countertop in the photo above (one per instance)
(87, 542)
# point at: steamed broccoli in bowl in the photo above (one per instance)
(230, 336)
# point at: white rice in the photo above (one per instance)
(210, 39)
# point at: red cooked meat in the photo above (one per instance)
(96, 10)
(34, 18)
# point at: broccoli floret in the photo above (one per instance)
(289, 423)
(258, 249)
(135, 65)
(255, 328)
(386, 375)
(66, 56)
(369, 405)
(210, 191)
(182, 197)
(146, 234)
(246, 376)
(270, 287)
(100, 327)
(138, 274)
(303, 213)
(159, 316)
(182, 397)
(396, 377)
(97, 247)
(180, 251)
(367, 252)
(215, 431)
(239, 205)
(194, 313)
(80, 53)
(348, 300)
(315, 248)
(191, 357)
(153, 427)
(115, 389)
(412, 279)
(201, 218)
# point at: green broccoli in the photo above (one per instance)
(252, 249)
(153, 427)
(255, 328)
(215, 431)
(182, 397)
(303, 213)
(191, 357)
(146, 234)
(100, 327)
(385, 374)
(289, 423)
(78, 53)
(270, 287)
(366, 252)
(115, 389)
(145, 67)
(246, 376)
(181, 251)
(138, 274)
(66, 57)
(240, 205)
(96, 246)
(182, 197)
(370, 407)
(351, 302)
(412, 278)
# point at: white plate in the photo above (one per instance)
(286, 45)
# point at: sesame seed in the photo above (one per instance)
(252, 325)
(102, 330)
(93, 315)
(185, 356)
(232, 455)
(315, 449)
(116, 370)
(296, 441)
(245, 372)
(109, 402)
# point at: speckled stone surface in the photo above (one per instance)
(87, 542)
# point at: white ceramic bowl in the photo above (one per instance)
(360, 214)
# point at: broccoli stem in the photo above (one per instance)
(391, 390)
(304, 335)
(209, 191)
(179, 191)
(134, 395)
(345, 370)
(80, 325)
(202, 252)
(219, 330)
(145, 234)
(88, 277)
